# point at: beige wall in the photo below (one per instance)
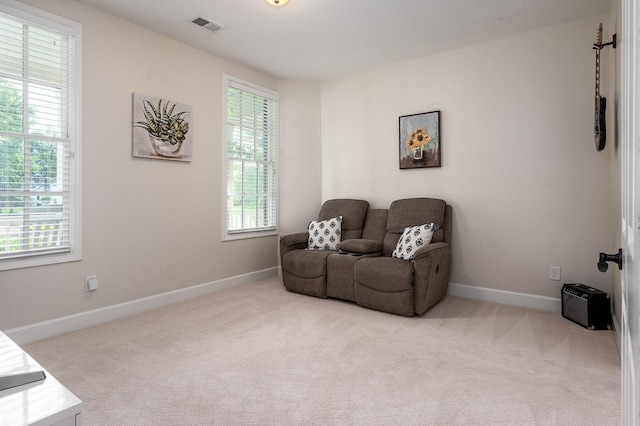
(300, 189)
(519, 164)
(149, 226)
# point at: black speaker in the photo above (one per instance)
(586, 306)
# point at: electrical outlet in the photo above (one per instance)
(91, 283)
(554, 273)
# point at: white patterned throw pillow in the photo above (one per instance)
(325, 234)
(412, 239)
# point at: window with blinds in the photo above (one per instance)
(251, 164)
(38, 140)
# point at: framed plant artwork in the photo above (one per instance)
(160, 129)
(420, 143)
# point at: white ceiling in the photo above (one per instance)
(321, 39)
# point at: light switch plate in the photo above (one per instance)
(554, 273)
(91, 283)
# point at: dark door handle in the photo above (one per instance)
(604, 258)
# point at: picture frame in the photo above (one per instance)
(420, 145)
(161, 128)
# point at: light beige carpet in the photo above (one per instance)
(257, 354)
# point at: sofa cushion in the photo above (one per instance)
(412, 212)
(353, 214)
(413, 238)
(361, 246)
(325, 234)
(306, 263)
(375, 224)
(385, 274)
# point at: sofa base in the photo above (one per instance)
(310, 286)
(340, 275)
(400, 302)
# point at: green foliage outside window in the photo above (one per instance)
(14, 150)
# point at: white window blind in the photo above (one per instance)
(37, 140)
(251, 148)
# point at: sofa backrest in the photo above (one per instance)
(416, 211)
(353, 214)
(446, 227)
(375, 225)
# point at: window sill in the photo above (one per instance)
(38, 261)
(247, 235)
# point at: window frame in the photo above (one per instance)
(74, 30)
(228, 235)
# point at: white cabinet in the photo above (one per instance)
(43, 403)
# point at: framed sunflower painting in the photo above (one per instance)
(420, 140)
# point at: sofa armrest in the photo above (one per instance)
(294, 241)
(431, 268)
(429, 249)
(361, 245)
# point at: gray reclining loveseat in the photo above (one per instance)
(367, 267)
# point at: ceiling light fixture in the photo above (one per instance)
(277, 3)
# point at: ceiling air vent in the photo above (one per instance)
(208, 24)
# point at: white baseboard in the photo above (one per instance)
(506, 297)
(45, 329)
(618, 337)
